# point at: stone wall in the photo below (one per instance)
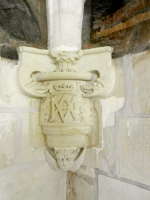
(24, 173)
(121, 169)
(125, 161)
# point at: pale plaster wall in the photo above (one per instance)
(24, 173)
(124, 164)
(123, 168)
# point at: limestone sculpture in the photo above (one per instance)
(69, 81)
(69, 85)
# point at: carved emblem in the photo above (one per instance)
(64, 107)
(67, 86)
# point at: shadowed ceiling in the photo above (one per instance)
(122, 24)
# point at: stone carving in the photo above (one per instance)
(65, 60)
(39, 87)
(69, 93)
(93, 88)
(65, 159)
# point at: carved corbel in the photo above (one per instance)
(65, 159)
(69, 85)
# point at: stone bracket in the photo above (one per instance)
(70, 85)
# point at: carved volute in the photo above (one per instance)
(70, 82)
(69, 86)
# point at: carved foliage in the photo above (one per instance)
(69, 113)
(65, 159)
(66, 60)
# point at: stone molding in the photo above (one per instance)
(70, 85)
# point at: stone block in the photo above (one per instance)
(135, 149)
(7, 139)
(10, 96)
(119, 89)
(109, 107)
(32, 143)
(79, 188)
(36, 183)
(140, 83)
(107, 156)
(112, 189)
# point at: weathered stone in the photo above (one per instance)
(7, 139)
(32, 143)
(37, 139)
(119, 88)
(79, 188)
(140, 83)
(109, 107)
(7, 81)
(66, 102)
(107, 156)
(110, 188)
(35, 183)
(135, 149)
(10, 95)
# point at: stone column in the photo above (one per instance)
(65, 24)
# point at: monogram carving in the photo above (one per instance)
(64, 107)
(69, 86)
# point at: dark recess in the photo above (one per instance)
(9, 52)
(17, 18)
(102, 8)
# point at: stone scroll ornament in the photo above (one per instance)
(70, 85)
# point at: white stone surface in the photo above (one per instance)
(65, 24)
(140, 83)
(10, 96)
(68, 112)
(107, 157)
(40, 183)
(80, 189)
(109, 107)
(119, 88)
(37, 138)
(112, 189)
(7, 139)
(90, 158)
(135, 149)
(31, 143)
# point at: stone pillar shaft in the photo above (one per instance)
(65, 24)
